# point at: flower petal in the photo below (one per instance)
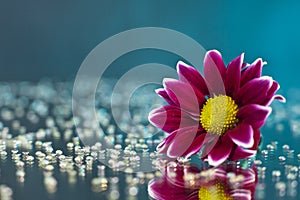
(241, 153)
(270, 95)
(182, 141)
(257, 139)
(195, 146)
(208, 144)
(162, 92)
(215, 57)
(254, 114)
(233, 75)
(214, 70)
(170, 118)
(280, 98)
(245, 65)
(255, 91)
(190, 75)
(242, 135)
(253, 71)
(275, 97)
(164, 145)
(221, 151)
(184, 96)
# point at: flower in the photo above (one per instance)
(225, 182)
(219, 115)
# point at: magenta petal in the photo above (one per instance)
(242, 135)
(277, 97)
(221, 151)
(214, 70)
(170, 118)
(240, 153)
(255, 91)
(253, 71)
(233, 75)
(161, 144)
(215, 57)
(245, 64)
(195, 146)
(182, 141)
(164, 145)
(208, 144)
(190, 75)
(184, 95)
(162, 92)
(257, 138)
(280, 98)
(275, 86)
(254, 114)
(270, 94)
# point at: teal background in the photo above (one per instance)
(40, 38)
(51, 38)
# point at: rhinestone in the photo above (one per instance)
(281, 158)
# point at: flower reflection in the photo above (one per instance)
(187, 182)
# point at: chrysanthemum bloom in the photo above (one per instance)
(219, 115)
(189, 183)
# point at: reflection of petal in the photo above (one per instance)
(183, 181)
(160, 189)
(241, 194)
(176, 175)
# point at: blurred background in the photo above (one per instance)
(51, 38)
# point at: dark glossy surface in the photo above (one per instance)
(281, 138)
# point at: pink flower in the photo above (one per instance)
(224, 182)
(219, 115)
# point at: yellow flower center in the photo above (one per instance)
(218, 114)
(213, 192)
